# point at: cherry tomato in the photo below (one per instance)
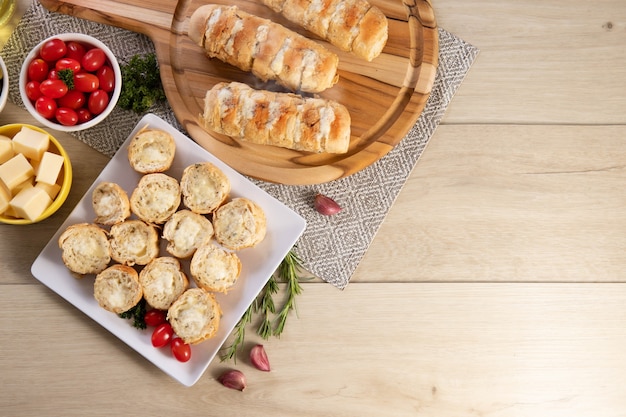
(53, 50)
(93, 59)
(74, 99)
(155, 317)
(98, 101)
(106, 76)
(66, 116)
(181, 350)
(162, 335)
(37, 70)
(86, 82)
(32, 90)
(53, 74)
(46, 107)
(75, 50)
(67, 63)
(53, 88)
(83, 115)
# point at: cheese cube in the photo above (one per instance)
(51, 190)
(49, 168)
(30, 182)
(30, 203)
(6, 149)
(5, 197)
(15, 171)
(31, 143)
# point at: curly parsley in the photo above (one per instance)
(141, 83)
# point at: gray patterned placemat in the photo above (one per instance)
(331, 247)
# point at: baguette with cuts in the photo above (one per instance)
(279, 119)
(351, 25)
(268, 50)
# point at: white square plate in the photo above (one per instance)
(284, 227)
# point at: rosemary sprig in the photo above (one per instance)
(272, 323)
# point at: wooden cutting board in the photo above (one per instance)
(385, 97)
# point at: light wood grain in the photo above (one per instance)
(523, 181)
(384, 97)
(430, 350)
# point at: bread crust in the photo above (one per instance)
(117, 288)
(214, 268)
(195, 316)
(278, 119)
(85, 248)
(134, 242)
(110, 203)
(352, 25)
(239, 224)
(163, 280)
(156, 198)
(267, 49)
(185, 232)
(151, 150)
(204, 187)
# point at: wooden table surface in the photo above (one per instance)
(506, 298)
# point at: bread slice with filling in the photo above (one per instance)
(195, 316)
(156, 198)
(110, 203)
(134, 242)
(214, 268)
(185, 232)
(239, 224)
(163, 280)
(151, 150)
(117, 288)
(85, 248)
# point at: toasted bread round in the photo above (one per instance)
(163, 281)
(156, 198)
(151, 150)
(239, 224)
(134, 242)
(214, 268)
(117, 288)
(85, 248)
(185, 231)
(110, 203)
(195, 316)
(204, 187)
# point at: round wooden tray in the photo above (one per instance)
(385, 97)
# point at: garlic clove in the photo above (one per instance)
(326, 205)
(259, 359)
(233, 379)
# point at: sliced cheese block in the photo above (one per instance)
(31, 143)
(5, 198)
(15, 171)
(30, 203)
(51, 190)
(49, 168)
(6, 149)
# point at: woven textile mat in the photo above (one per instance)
(331, 247)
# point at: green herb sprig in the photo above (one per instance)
(272, 321)
(141, 83)
(136, 314)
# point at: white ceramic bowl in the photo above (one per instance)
(4, 93)
(86, 40)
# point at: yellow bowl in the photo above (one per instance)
(64, 180)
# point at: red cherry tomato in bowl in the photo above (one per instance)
(37, 70)
(98, 101)
(66, 116)
(67, 63)
(155, 317)
(83, 115)
(86, 82)
(181, 350)
(46, 107)
(74, 99)
(106, 76)
(53, 50)
(162, 335)
(53, 88)
(32, 90)
(75, 50)
(93, 59)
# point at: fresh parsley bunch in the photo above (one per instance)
(141, 83)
